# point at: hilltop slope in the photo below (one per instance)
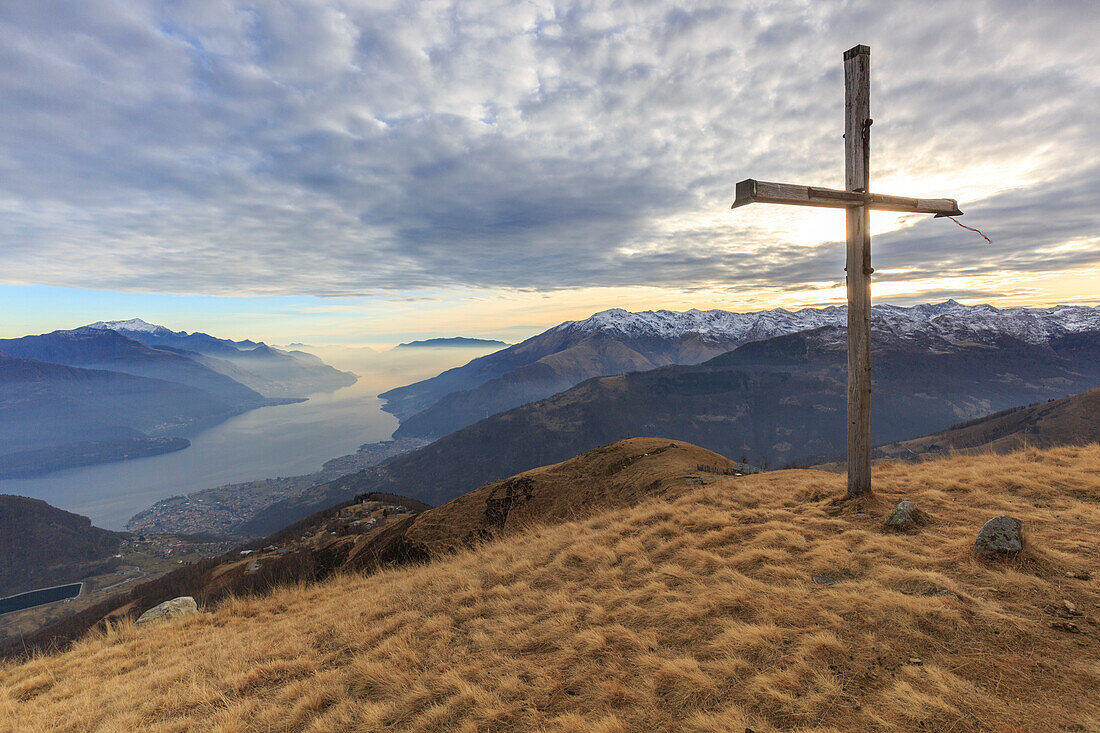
(695, 612)
(1069, 421)
(615, 475)
(337, 539)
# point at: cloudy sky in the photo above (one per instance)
(366, 171)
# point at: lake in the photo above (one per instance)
(285, 440)
(40, 597)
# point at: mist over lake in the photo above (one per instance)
(283, 440)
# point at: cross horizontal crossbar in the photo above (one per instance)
(752, 191)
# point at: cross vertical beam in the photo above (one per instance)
(857, 200)
(857, 157)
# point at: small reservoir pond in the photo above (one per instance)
(39, 597)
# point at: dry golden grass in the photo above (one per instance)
(691, 614)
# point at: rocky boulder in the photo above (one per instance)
(1000, 537)
(175, 608)
(906, 516)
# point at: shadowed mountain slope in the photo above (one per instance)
(578, 356)
(288, 373)
(87, 396)
(1069, 421)
(42, 545)
(595, 354)
(54, 416)
(739, 604)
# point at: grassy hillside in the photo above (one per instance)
(1070, 421)
(338, 538)
(695, 611)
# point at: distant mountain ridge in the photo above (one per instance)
(154, 335)
(617, 341)
(265, 369)
(451, 342)
(1027, 324)
(105, 349)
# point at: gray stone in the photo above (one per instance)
(1001, 536)
(943, 592)
(826, 580)
(175, 608)
(906, 516)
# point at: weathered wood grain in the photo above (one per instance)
(857, 153)
(751, 191)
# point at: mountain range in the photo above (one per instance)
(154, 335)
(773, 402)
(265, 369)
(617, 341)
(94, 394)
(451, 342)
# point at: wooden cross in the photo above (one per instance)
(857, 200)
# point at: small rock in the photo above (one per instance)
(916, 660)
(826, 580)
(1070, 608)
(252, 566)
(999, 537)
(1067, 626)
(1079, 574)
(906, 516)
(175, 608)
(943, 592)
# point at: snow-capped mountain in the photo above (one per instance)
(616, 341)
(134, 325)
(1033, 325)
(272, 372)
(152, 334)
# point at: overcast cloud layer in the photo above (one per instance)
(339, 148)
